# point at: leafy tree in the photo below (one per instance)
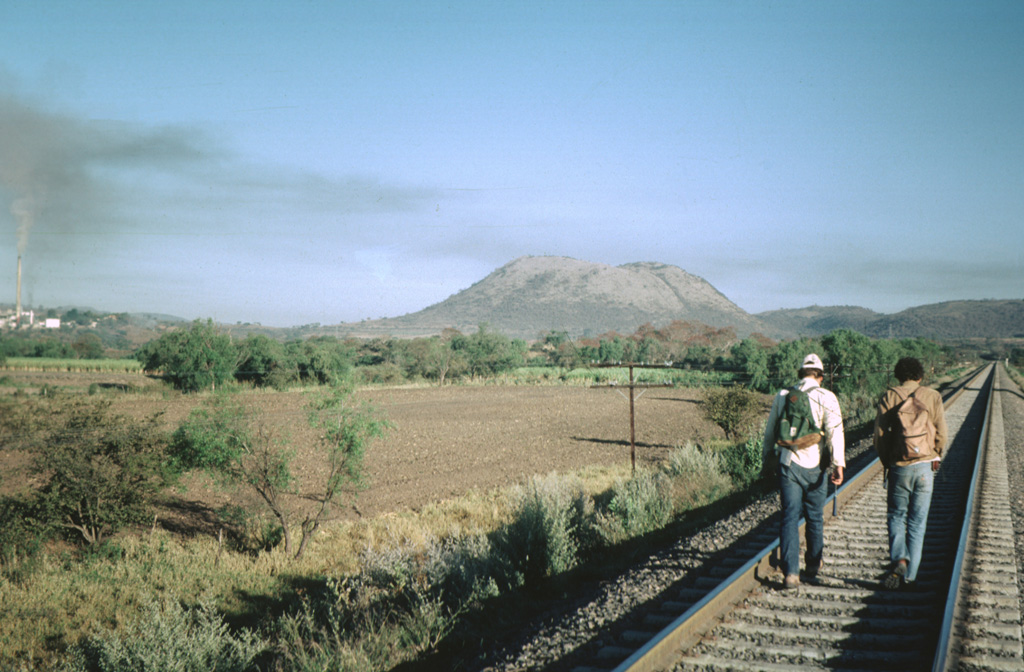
(933, 356)
(323, 359)
(265, 362)
(417, 357)
(753, 360)
(850, 358)
(568, 355)
(191, 359)
(699, 357)
(78, 317)
(853, 364)
(88, 346)
(555, 338)
(611, 350)
(784, 361)
(237, 445)
(344, 430)
(490, 353)
(44, 347)
(649, 349)
(436, 358)
(381, 351)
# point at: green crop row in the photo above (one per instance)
(78, 365)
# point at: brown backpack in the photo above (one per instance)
(912, 431)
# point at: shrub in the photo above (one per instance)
(858, 408)
(698, 471)
(459, 570)
(743, 461)
(402, 603)
(22, 534)
(380, 374)
(639, 505)
(731, 408)
(542, 538)
(101, 471)
(168, 637)
(335, 630)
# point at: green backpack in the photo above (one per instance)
(796, 428)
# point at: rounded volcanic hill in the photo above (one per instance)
(532, 296)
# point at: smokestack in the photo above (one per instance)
(17, 309)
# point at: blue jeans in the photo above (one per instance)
(910, 497)
(803, 491)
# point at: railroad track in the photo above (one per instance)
(962, 615)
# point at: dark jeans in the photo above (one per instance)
(803, 492)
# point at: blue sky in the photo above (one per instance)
(296, 162)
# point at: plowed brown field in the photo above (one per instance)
(447, 441)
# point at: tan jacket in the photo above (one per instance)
(931, 398)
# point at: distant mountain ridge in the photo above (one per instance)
(532, 296)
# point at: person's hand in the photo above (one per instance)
(935, 465)
(837, 476)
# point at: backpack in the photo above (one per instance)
(912, 432)
(795, 427)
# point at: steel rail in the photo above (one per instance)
(686, 630)
(945, 641)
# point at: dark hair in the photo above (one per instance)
(809, 371)
(909, 368)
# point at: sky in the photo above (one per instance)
(289, 163)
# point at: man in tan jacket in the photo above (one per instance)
(910, 470)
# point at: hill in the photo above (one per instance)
(950, 320)
(953, 320)
(532, 296)
(815, 320)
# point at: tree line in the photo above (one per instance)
(85, 345)
(203, 357)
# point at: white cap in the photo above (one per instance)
(812, 361)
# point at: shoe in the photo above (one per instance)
(791, 582)
(894, 579)
(812, 571)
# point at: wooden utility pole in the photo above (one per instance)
(632, 386)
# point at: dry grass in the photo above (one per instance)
(56, 599)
